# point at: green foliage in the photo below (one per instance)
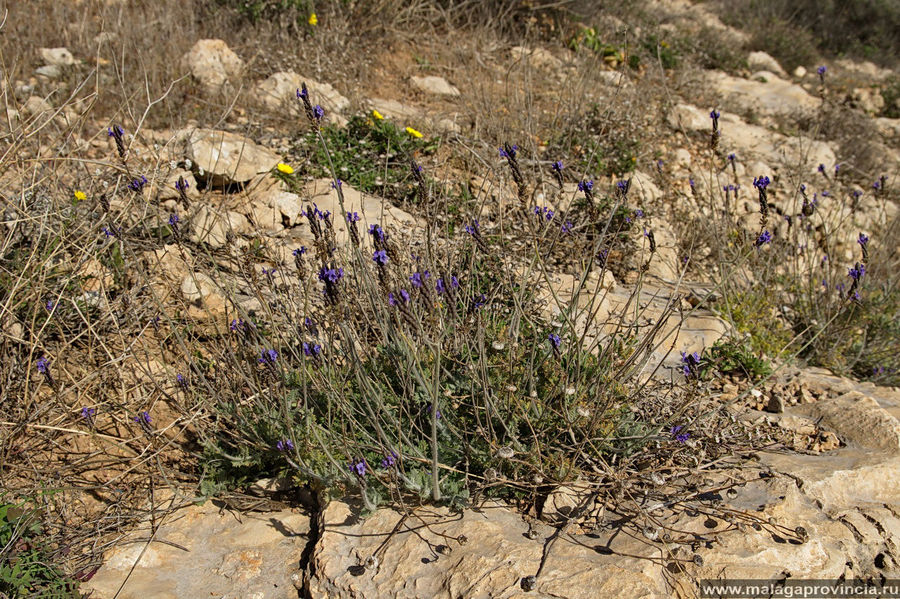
(732, 356)
(587, 37)
(662, 51)
(890, 91)
(26, 567)
(372, 155)
(753, 313)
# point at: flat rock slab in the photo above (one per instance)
(214, 554)
(388, 555)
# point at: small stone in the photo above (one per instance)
(775, 405)
(50, 71)
(529, 583)
(59, 57)
(435, 85)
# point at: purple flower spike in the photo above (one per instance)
(389, 460)
(764, 238)
(358, 467)
(555, 341)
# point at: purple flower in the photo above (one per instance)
(690, 364)
(181, 184)
(299, 251)
(358, 467)
(454, 282)
(376, 232)
(50, 305)
(181, 380)
(392, 301)
(352, 217)
(732, 157)
(623, 186)
(822, 168)
(143, 418)
(714, 115)
(236, 325)
(380, 257)
(473, 228)
(557, 166)
(566, 227)
(389, 460)
(856, 193)
(821, 71)
(310, 325)
(173, 220)
(318, 112)
(675, 431)
(857, 272)
(511, 153)
(554, 341)
(43, 365)
(267, 356)
(439, 286)
(331, 275)
(691, 182)
(417, 278)
(764, 238)
(404, 295)
(312, 350)
(761, 182)
(587, 185)
(88, 414)
(302, 93)
(876, 185)
(115, 131)
(284, 445)
(336, 183)
(138, 184)
(863, 239)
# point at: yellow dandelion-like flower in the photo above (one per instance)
(313, 20)
(413, 132)
(80, 196)
(378, 116)
(285, 168)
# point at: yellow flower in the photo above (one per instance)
(378, 116)
(313, 20)
(285, 168)
(413, 132)
(80, 196)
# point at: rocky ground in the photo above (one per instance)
(823, 502)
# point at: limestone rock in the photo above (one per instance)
(280, 90)
(215, 553)
(36, 106)
(755, 142)
(372, 210)
(429, 561)
(213, 64)
(212, 227)
(50, 71)
(432, 84)
(539, 58)
(867, 99)
(760, 61)
(59, 57)
(765, 95)
(224, 158)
